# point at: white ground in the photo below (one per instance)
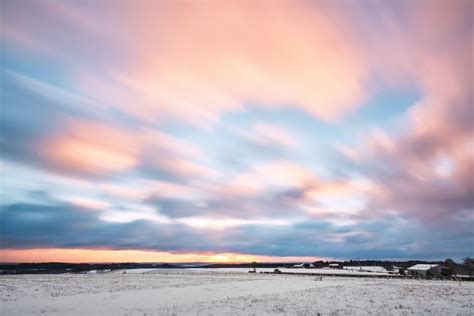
(246, 270)
(302, 270)
(183, 292)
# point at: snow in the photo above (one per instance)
(422, 267)
(138, 271)
(188, 292)
(294, 270)
(367, 269)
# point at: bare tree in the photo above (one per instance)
(254, 266)
(469, 262)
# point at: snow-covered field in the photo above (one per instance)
(185, 292)
(300, 270)
(246, 270)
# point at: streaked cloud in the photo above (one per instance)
(91, 148)
(230, 131)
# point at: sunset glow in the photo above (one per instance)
(107, 255)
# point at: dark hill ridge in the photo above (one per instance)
(60, 267)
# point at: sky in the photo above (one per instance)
(233, 131)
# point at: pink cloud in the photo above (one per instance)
(195, 61)
(242, 53)
(190, 62)
(92, 148)
(407, 166)
(95, 148)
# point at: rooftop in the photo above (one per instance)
(422, 266)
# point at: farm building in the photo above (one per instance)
(425, 270)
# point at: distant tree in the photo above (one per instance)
(468, 266)
(455, 269)
(318, 264)
(469, 262)
(254, 266)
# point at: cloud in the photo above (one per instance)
(271, 135)
(315, 64)
(278, 190)
(87, 203)
(225, 223)
(91, 148)
(65, 225)
(29, 226)
(115, 118)
(424, 170)
(72, 135)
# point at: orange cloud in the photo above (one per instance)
(106, 255)
(92, 148)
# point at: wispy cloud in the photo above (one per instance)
(229, 129)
